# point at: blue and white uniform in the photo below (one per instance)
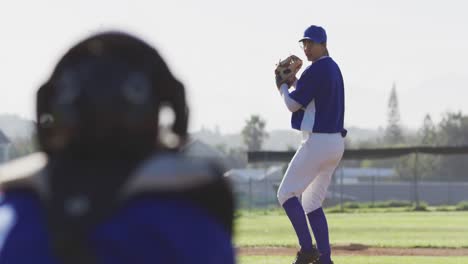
(158, 220)
(317, 106)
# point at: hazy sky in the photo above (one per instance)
(225, 52)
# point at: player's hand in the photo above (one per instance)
(291, 81)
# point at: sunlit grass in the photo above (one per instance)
(358, 260)
(401, 229)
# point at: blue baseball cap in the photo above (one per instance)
(315, 33)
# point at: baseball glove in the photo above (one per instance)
(287, 68)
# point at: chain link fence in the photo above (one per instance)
(433, 175)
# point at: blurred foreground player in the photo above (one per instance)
(105, 189)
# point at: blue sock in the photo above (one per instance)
(319, 225)
(297, 217)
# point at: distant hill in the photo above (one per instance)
(277, 139)
(16, 127)
(356, 134)
(282, 140)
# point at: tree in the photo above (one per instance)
(393, 132)
(254, 133)
(222, 147)
(427, 133)
(428, 165)
(23, 146)
(453, 131)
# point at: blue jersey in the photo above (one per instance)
(144, 231)
(163, 215)
(320, 91)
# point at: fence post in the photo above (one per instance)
(415, 172)
(250, 194)
(341, 190)
(449, 200)
(373, 186)
(266, 187)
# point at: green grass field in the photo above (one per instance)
(397, 229)
(360, 260)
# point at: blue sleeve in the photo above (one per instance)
(146, 231)
(306, 87)
(23, 233)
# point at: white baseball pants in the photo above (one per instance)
(310, 171)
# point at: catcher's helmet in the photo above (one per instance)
(104, 97)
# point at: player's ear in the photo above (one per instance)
(324, 45)
(173, 97)
(181, 112)
(44, 118)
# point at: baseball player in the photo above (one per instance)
(317, 106)
(106, 189)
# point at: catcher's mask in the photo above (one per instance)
(104, 97)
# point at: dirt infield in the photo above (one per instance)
(357, 250)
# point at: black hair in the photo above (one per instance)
(104, 95)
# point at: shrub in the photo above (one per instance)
(391, 204)
(444, 208)
(422, 207)
(352, 205)
(462, 206)
(336, 209)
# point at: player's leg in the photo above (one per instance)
(300, 173)
(312, 200)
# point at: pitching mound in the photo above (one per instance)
(357, 250)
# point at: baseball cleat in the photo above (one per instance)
(309, 257)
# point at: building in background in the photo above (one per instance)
(256, 187)
(5, 145)
(199, 149)
(359, 175)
